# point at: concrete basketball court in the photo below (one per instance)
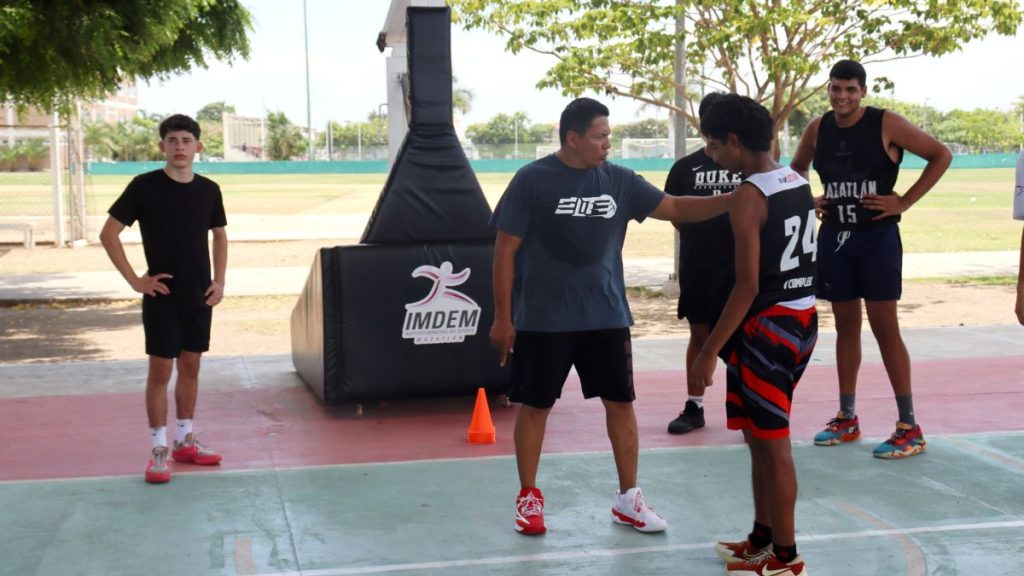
(317, 491)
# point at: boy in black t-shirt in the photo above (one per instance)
(175, 209)
(705, 262)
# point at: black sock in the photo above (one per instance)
(761, 536)
(905, 406)
(785, 554)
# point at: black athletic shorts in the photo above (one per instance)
(171, 327)
(541, 362)
(703, 293)
(864, 264)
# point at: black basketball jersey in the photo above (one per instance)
(709, 244)
(852, 162)
(788, 239)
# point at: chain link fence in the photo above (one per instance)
(42, 184)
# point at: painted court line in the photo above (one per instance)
(561, 556)
(915, 565)
(980, 450)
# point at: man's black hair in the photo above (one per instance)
(849, 70)
(578, 115)
(708, 101)
(179, 122)
(739, 115)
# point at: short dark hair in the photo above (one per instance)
(179, 122)
(578, 115)
(849, 70)
(708, 101)
(739, 115)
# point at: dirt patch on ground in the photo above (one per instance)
(76, 331)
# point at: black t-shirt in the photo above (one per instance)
(702, 245)
(174, 220)
(852, 162)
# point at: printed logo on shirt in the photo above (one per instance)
(602, 206)
(445, 315)
(717, 179)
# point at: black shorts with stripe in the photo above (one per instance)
(541, 362)
(769, 354)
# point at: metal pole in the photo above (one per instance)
(330, 141)
(309, 109)
(679, 124)
(55, 177)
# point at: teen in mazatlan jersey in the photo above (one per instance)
(856, 151)
(851, 162)
(768, 328)
(705, 262)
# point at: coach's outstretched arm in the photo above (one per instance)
(684, 209)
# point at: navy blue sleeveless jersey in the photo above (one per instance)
(852, 162)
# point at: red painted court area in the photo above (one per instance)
(50, 437)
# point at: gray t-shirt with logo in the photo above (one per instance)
(573, 223)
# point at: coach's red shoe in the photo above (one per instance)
(191, 451)
(530, 512)
(158, 471)
(766, 564)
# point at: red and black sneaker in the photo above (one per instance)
(158, 471)
(191, 451)
(530, 512)
(766, 564)
(738, 551)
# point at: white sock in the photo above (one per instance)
(182, 430)
(158, 436)
(698, 400)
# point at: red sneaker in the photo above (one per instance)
(194, 452)
(530, 512)
(738, 551)
(158, 471)
(766, 564)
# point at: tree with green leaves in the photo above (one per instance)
(55, 52)
(646, 128)
(979, 130)
(774, 52)
(501, 129)
(284, 139)
(214, 111)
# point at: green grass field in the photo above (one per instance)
(969, 210)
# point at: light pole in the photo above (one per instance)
(309, 110)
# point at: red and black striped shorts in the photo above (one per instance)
(770, 352)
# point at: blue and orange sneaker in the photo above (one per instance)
(906, 441)
(840, 429)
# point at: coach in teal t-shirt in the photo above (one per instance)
(573, 223)
(560, 297)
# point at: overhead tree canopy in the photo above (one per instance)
(55, 51)
(774, 52)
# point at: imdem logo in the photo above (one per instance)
(445, 315)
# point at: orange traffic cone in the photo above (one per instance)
(481, 429)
